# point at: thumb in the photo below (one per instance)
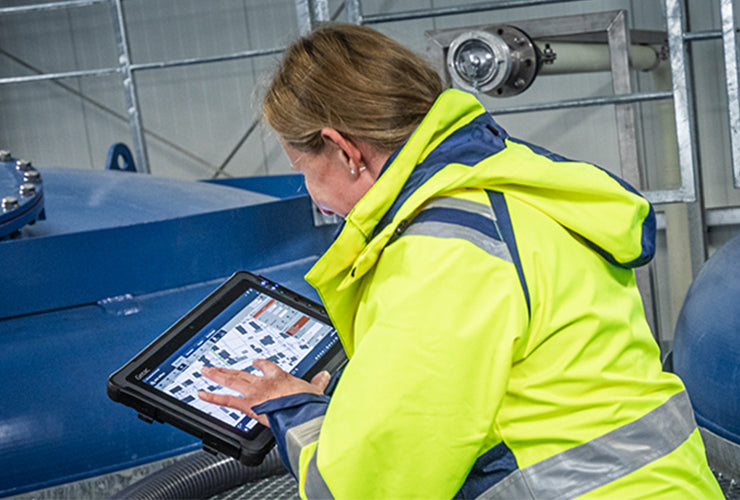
(321, 380)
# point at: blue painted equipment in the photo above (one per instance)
(120, 257)
(120, 158)
(21, 194)
(706, 355)
(706, 350)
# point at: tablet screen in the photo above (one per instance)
(254, 326)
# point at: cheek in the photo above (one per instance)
(313, 188)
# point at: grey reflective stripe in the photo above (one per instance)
(440, 229)
(594, 464)
(446, 230)
(315, 486)
(299, 436)
(482, 209)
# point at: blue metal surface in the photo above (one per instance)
(282, 186)
(30, 206)
(120, 258)
(706, 349)
(110, 233)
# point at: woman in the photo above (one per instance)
(484, 292)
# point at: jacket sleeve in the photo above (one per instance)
(295, 421)
(417, 402)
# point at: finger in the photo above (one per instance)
(228, 378)
(269, 368)
(321, 380)
(231, 402)
(224, 400)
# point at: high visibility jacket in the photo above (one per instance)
(483, 290)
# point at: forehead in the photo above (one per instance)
(295, 156)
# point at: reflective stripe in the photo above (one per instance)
(448, 217)
(298, 437)
(591, 465)
(445, 230)
(481, 209)
(315, 486)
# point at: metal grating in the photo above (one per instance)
(281, 487)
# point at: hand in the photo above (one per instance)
(274, 384)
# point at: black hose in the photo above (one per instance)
(200, 475)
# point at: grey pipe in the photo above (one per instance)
(200, 475)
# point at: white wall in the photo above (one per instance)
(195, 115)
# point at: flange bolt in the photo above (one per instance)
(5, 155)
(32, 176)
(10, 203)
(28, 189)
(23, 165)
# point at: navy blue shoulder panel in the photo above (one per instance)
(488, 470)
(505, 228)
(648, 225)
(468, 145)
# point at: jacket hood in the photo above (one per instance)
(459, 145)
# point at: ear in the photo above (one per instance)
(351, 154)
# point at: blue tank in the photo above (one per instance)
(706, 352)
(110, 260)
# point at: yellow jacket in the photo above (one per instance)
(483, 291)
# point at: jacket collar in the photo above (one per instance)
(396, 194)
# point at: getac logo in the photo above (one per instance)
(142, 373)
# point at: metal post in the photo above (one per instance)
(320, 10)
(679, 76)
(685, 226)
(309, 13)
(354, 11)
(729, 42)
(132, 101)
(619, 43)
(303, 14)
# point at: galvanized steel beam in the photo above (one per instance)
(729, 43)
(129, 87)
(25, 9)
(454, 10)
(354, 11)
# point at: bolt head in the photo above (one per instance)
(32, 176)
(23, 165)
(9, 203)
(5, 155)
(27, 189)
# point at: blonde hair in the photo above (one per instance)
(353, 79)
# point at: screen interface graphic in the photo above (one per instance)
(255, 326)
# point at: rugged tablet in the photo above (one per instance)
(246, 318)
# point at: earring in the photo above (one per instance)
(352, 171)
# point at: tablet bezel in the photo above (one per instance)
(126, 385)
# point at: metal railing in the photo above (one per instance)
(126, 69)
(311, 11)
